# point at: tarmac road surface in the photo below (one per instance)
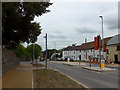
(91, 79)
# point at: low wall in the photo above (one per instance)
(9, 60)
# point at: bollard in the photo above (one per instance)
(68, 60)
(102, 64)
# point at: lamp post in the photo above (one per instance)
(102, 34)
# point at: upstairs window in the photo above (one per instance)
(118, 47)
(107, 51)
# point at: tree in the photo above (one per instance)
(21, 52)
(50, 52)
(17, 25)
(37, 50)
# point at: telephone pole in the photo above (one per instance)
(86, 49)
(46, 50)
(55, 50)
(33, 53)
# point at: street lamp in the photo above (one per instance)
(102, 34)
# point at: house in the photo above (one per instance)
(84, 51)
(113, 49)
(71, 52)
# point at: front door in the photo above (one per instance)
(116, 58)
(80, 57)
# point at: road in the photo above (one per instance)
(91, 79)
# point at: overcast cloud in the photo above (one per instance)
(72, 22)
(56, 36)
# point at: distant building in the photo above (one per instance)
(84, 51)
(71, 52)
(113, 49)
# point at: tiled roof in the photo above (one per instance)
(84, 46)
(72, 48)
(88, 45)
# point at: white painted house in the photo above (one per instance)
(84, 51)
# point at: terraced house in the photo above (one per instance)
(113, 49)
(84, 51)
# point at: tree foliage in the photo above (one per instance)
(17, 25)
(37, 50)
(27, 53)
(50, 52)
(21, 52)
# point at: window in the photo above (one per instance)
(107, 51)
(74, 57)
(74, 52)
(91, 50)
(118, 47)
(86, 50)
(84, 56)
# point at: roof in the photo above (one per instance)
(84, 46)
(72, 48)
(114, 40)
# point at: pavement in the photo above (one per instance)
(89, 78)
(99, 69)
(94, 67)
(21, 77)
(74, 63)
(0, 73)
(0, 82)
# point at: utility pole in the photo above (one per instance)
(46, 50)
(55, 50)
(33, 52)
(86, 49)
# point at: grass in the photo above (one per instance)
(38, 65)
(47, 78)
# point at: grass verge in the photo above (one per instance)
(38, 65)
(43, 78)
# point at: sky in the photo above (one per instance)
(72, 21)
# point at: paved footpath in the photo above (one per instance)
(0, 82)
(21, 77)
